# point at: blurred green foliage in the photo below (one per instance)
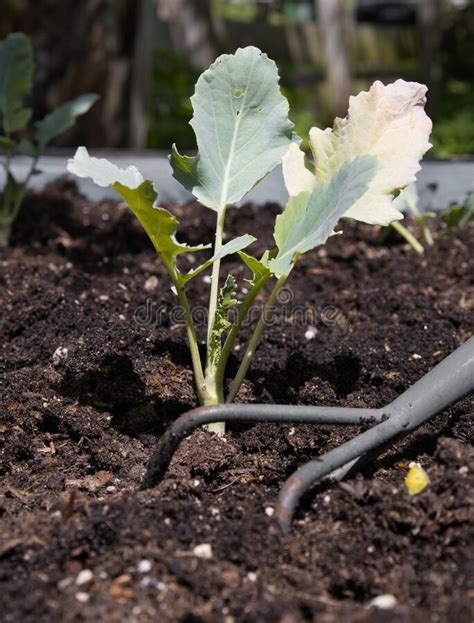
(453, 129)
(173, 84)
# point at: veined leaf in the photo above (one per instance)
(62, 118)
(16, 81)
(241, 125)
(159, 224)
(258, 268)
(233, 246)
(221, 322)
(309, 218)
(140, 196)
(388, 122)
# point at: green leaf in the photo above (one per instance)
(6, 143)
(258, 268)
(159, 224)
(16, 81)
(309, 218)
(61, 119)
(12, 197)
(26, 148)
(221, 322)
(241, 125)
(233, 246)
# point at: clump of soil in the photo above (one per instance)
(95, 366)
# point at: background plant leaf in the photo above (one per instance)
(309, 218)
(6, 143)
(62, 118)
(16, 81)
(241, 125)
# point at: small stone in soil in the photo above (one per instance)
(60, 355)
(384, 602)
(144, 566)
(84, 577)
(203, 551)
(82, 597)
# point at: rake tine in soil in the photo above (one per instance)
(448, 382)
(283, 414)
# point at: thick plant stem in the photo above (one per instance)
(214, 378)
(408, 236)
(215, 272)
(255, 340)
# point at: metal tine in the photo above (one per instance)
(445, 384)
(283, 414)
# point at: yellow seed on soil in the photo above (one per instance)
(416, 479)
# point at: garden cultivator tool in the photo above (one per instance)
(447, 383)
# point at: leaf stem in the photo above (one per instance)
(190, 330)
(215, 272)
(255, 340)
(408, 236)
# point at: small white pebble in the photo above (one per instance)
(84, 577)
(207, 279)
(64, 583)
(326, 499)
(251, 576)
(463, 470)
(196, 483)
(111, 489)
(269, 511)
(370, 549)
(311, 333)
(215, 512)
(121, 317)
(416, 356)
(152, 283)
(60, 355)
(82, 597)
(384, 602)
(149, 582)
(203, 551)
(103, 297)
(144, 566)
(291, 432)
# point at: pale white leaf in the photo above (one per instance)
(102, 171)
(298, 179)
(388, 122)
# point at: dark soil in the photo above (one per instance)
(78, 429)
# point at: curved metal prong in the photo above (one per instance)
(447, 383)
(284, 414)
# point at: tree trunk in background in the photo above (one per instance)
(331, 21)
(429, 13)
(190, 28)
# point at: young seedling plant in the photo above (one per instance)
(242, 132)
(16, 82)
